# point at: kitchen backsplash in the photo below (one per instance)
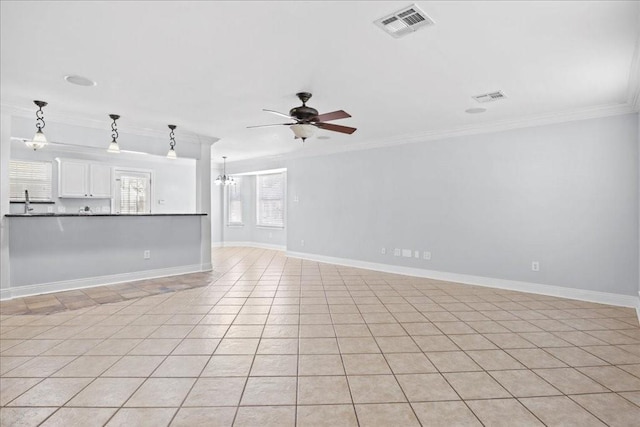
(66, 206)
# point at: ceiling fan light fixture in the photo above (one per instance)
(302, 130)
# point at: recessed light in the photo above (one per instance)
(475, 110)
(79, 80)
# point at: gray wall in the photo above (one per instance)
(565, 195)
(53, 249)
(249, 232)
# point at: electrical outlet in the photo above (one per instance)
(535, 266)
(407, 253)
(416, 254)
(50, 209)
(147, 254)
(61, 209)
(397, 252)
(426, 255)
(383, 251)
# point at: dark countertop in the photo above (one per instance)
(57, 215)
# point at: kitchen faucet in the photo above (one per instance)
(27, 204)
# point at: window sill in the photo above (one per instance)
(270, 227)
(235, 225)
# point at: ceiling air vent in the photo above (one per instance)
(405, 21)
(489, 97)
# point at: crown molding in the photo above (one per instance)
(71, 119)
(498, 126)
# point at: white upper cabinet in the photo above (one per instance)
(99, 181)
(83, 179)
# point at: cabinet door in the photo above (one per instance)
(73, 179)
(100, 181)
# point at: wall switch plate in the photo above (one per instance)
(147, 254)
(296, 199)
(161, 202)
(426, 255)
(535, 266)
(61, 209)
(416, 254)
(383, 251)
(396, 252)
(407, 253)
(301, 242)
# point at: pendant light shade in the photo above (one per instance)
(39, 140)
(224, 179)
(113, 146)
(172, 144)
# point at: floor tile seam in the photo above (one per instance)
(606, 361)
(68, 400)
(150, 375)
(610, 390)
(246, 382)
(627, 399)
(584, 407)
(388, 366)
(345, 374)
(16, 397)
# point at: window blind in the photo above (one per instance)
(270, 206)
(133, 195)
(235, 203)
(32, 176)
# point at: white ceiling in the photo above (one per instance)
(210, 67)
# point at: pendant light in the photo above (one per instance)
(172, 143)
(224, 179)
(113, 146)
(39, 140)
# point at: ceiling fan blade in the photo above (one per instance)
(275, 124)
(336, 128)
(335, 115)
(278, 113)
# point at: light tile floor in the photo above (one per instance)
(280, 341)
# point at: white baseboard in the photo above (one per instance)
(91, 282)
(254, 245)
(512, 285)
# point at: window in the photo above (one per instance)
(32, 176)
(133, 192)
(270, 206)
(234, 213)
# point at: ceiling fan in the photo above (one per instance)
(306, 119)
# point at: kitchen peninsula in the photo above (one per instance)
(53, 252)
(80, 235)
